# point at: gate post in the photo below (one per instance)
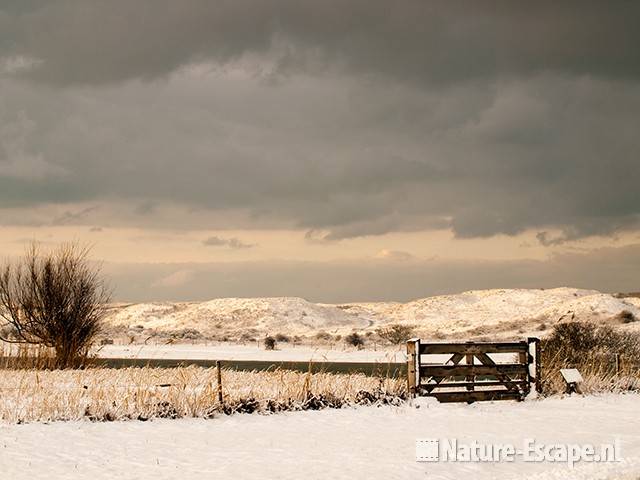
(535, 362)
(413, 366)
(538, 366)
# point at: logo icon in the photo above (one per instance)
(427, 450)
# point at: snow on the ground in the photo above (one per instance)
(500, 310)
(366, 442)
(228, 351)
(235, 352)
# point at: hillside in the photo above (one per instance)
(502, 312)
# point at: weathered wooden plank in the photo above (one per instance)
(478, 395)
(454, 360)
(476, 384)
(485, 359)
(472, 348)
(465, 370)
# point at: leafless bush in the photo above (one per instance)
(187, 334)
(396, 334)
(324, 336)
(247, 338)
(54, 299)
(592, 349)
(625, 316)
(281, 337)
(355, 340)
(270, 343)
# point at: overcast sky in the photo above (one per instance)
(335, 150)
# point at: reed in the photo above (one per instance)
(144, 393)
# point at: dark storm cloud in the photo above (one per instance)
(339, 118)
(83, 41)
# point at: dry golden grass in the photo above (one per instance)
(599, 374)
(142, 393)
(592, 349)
(29, 392)
(18, 356)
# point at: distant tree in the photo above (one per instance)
(354, 339)
(56, 299)
(396, 333)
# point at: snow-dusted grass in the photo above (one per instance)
(143, 393)
(364, 442)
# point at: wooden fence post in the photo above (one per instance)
(413, 366)
(219, 371)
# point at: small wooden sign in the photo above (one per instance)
(571, 375)
(572, 378)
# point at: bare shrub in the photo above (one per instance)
(625, 316)
(247, 338)
(354, 339)
(592, 350)
(281, 337)
(570, 341)
(397, 333)
(54, 299)
(324, 336)
(187, 334)
(439, 335)
(270, 343)
(627, 295)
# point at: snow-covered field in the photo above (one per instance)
(226, 351)
(365, 442)
(504, 312)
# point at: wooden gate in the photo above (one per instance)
(472, 371)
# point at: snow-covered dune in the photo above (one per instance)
(478, 312)
(230, 316)
(505, 307)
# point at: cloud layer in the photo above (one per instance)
(96, 42)
(341, 119)
(609, 269)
